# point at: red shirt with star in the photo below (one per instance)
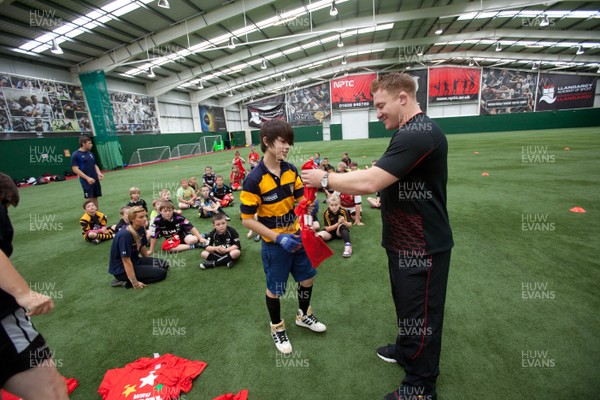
(162, 378)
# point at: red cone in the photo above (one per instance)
(577, 210)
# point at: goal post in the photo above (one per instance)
(185, 149)
(150, 154)
(209, 144)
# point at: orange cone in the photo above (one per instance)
(475, 152)
(577, 210)
(567, 148)
(485, 174)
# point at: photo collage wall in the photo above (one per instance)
(31, 106)
(134, 113)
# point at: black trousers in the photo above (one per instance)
(419, 291)
(147, 270)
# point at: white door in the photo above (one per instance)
(355, 124)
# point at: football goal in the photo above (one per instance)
(210, 143)
(150, 154)
(185, 149)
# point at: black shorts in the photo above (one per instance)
(90, 191)
(21, 346)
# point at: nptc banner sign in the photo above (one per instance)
(212, 119)
(265, 110)
(562, 91)
(453, 84)
(351, 92)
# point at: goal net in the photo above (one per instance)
(150, 154)
(209, 144)
(185, 149)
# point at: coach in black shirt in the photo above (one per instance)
(411, 177)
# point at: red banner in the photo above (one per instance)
(352, 91)
(453, 84)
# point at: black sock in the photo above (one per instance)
(304, 294)
(223, 260)
(345, 232)
(274, 308)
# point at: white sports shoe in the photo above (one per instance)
(280, 338)
(309, 321)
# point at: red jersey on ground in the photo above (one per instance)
(161, 378)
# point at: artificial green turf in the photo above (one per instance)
(221, 316)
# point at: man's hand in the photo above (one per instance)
(289, 242)
(91, 181)
(36, 303)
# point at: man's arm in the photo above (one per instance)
(13, 283)
(355, 182)
(83, 176)
(100, 174)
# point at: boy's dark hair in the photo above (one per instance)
(329, 168)
(166, 205)
(85, 203)
(218, 217)
(84, 139)
(273, 129)
(9, 194)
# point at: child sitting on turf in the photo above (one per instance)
(352, 204)
(342, 167)
(208, 179)
(236, 178)
(253, 158)
(123, 221)
(165, 195)
(134, 199)
(336, 222)
(346, 160)
(185, 195)
(239, 161)
(94, 224)
(179, 234)
(222, 192)
(207, 205)
(153, 215)
(223, 246)
(193, 183)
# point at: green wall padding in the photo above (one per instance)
(521, 121)
(335, 131)
(22, 158)
(377, 130)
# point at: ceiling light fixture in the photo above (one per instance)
(151, 73)
(282, 78)
(164, 4)
(200, 86)
(344, 60)
(498, 48)
(230, 94)
(340, 42)
(263, 65)
(534, 66)
(231, 44)
(471, 62)
(408, 66)
(333, 11)
(420, 52)
(545, 21)
(580, 50)
(55, 47)
(439, 30)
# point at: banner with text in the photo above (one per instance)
(562, 91)
(453, 84)
(351, 92)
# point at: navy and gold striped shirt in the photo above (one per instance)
(272, 198)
